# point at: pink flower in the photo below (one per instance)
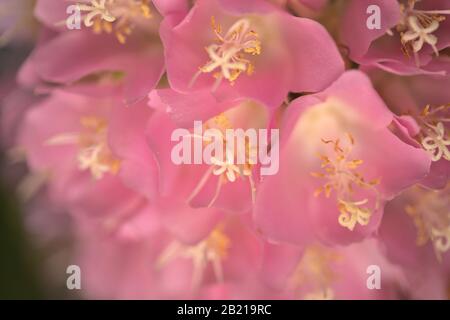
(215, 267)
(92, 147)
(117, 48)
(328, 273)
(248, 49)
(410, 40)
(337, 167)
(416, 235)
(210, 182)
(147, 262)
(422, 101)
(120, 247)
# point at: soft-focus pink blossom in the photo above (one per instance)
(421, 246)
(147, 262)
(81, 144)
(317, 272)
(123, 57)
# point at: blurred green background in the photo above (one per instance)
(21, 260)
(19, 266)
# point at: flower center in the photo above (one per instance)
(342, 176)
(227, 169)
(434, 136)
(212, 250)
(431, 216)
(94, 154)
(314, 273)
(229, 57)
(118, 16)
(416, 28)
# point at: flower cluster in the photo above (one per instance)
(353, 120)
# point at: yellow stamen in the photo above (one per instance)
(434, 136)
(118, 16)
(315, 273)
(417, 27)
(228, 170)
(228, 59)
(342, 177)
(352, 213)
(94, 153)
(429, 210)
(212, 250)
